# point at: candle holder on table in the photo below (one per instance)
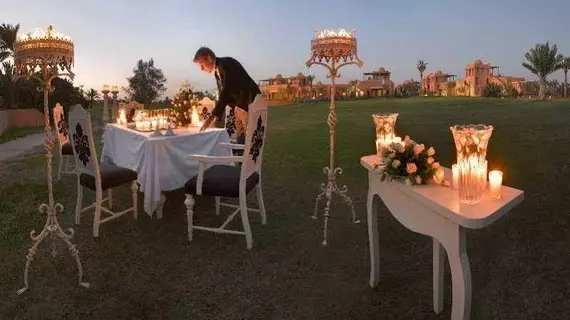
(385, 127)
(337, 49)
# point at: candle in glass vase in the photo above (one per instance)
(455, 176)
(495, 182)
(471, 142)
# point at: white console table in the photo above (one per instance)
(435, 211)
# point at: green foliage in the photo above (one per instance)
(410, 89)
(511, 92)
(493, 90)
(147, 83)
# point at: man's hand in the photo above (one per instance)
(208, 123)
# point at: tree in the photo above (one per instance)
(493, 90)
(510, 91)
(92, 94)
(449, 85)
(147, 84)
(352, 88)
(410, 88)
(531, 88)
(542, 60)
(8, 36)
(421, 66)
(565, 67)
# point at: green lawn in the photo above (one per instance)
(16, 133)
(145, 269)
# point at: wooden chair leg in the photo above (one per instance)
(245, 219)
(217, 201)
(110, 198)
(97, 214)
(135, 189)
(261, 203)
(189, 202)
(79, 202)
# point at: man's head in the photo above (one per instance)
(206, 59)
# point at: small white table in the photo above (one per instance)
(435, 211)
(162, 163)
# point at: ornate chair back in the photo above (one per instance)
(255, 138)
(230, 122)
(131, 109)
(81, 136)
(60, 125)
(206, 107)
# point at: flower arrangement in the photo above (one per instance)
(183, 103)
(412, 162)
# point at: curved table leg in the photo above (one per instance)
(461, 277)
(438, 268)
(373, 240)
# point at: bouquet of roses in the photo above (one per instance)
(412, 162)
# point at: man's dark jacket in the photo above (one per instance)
(235, 86)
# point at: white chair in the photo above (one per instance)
(94, 176)
(228, 180)
(65, 147)
(230, 124)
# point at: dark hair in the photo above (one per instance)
(204, 52)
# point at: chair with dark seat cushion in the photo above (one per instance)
(94, 176)
(222, 181)
(111, 176)
(225, 179)
(65, 147)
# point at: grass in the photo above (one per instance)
(16, 133)
(145, 269)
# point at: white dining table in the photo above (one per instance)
(162, 163)
(435, 210)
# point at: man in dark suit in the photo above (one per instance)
(236, 88)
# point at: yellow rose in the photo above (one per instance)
(435, 165)
(396, 163)
(438, 177)
(430, 160)
(418, 148)
(411, 168)
(431, 152)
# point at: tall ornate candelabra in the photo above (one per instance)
(337, 49)
(105, 92)
(114, 92)
(48, 52)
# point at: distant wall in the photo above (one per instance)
(278, 102)
(3, 121)
(20, 118)
(25, 118)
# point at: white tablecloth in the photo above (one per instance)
(162, 163)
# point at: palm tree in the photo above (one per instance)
(565, 68)
(92, 94)
(542, 60)
(8, 36)
(421, 66)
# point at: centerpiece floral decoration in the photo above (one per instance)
(411, 162)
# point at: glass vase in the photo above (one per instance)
(385, 127)
(471, 142)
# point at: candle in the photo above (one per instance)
(495, 182)
(455, 174)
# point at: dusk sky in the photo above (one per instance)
(270, 37)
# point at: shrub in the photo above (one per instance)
(493, 90)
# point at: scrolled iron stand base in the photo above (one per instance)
(52, 227)
(330, 187)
